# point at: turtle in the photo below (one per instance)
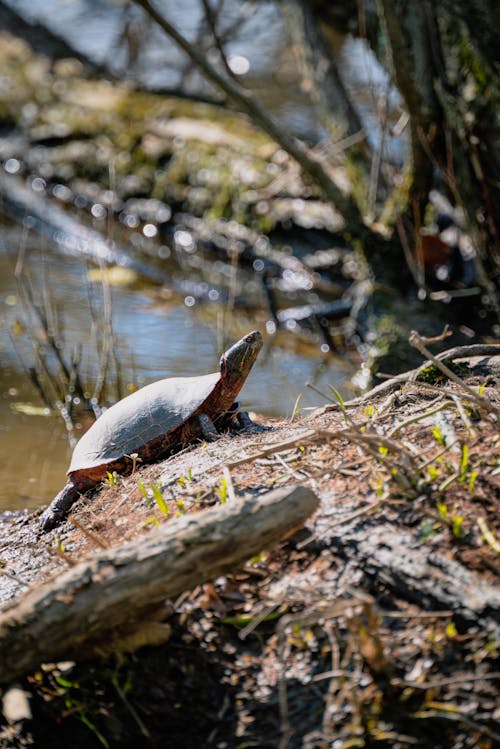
(155, 421)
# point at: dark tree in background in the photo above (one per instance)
(445, 61)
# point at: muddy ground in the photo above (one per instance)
(374, 625)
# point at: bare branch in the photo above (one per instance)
(246, 102)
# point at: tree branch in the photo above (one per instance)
(246, 102)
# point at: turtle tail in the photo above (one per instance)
(59, 507)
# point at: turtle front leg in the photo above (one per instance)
(207, 427)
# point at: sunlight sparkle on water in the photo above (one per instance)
(270, 327)
(239, 64)
(149, 230)
(184, 240)
(38, 184)
(98, 211)
(12, 166)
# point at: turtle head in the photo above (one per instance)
(236, 362)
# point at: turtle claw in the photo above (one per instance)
(49, 520)
(247, 425)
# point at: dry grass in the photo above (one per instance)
(314, 649)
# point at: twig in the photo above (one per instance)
(211, 19)
(416, 340)
(417, 615)
(439, 454)
(14, 578)
(447, 482)
(369, 443)
(458, 352)
(323, 395)
(274, 448)
(256, 620)
(419, 417)
(92, 535)
(435, 338)
(445, 682)
(488, 535)
(377, 439)
(290, 471)
(463, 415)
(336, 674)
(460, 718)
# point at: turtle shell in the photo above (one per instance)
(154, 410)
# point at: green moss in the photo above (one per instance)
(397, 201)
(433, 374)
(356, 173)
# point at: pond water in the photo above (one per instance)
(153, 340)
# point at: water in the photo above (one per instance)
(96, 29)
(154, 340)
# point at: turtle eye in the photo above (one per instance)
(249, 338)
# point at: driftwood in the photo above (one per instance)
(68, 615)
(477, 354)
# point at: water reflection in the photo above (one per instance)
(34, 448)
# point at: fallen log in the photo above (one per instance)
(414, 572)
(68, 615)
